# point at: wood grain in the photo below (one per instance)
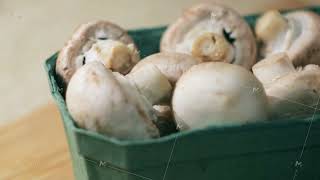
(35, 147)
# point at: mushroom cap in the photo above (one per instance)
(71, 56)
(300, 41)
(151, 83)
(218, 94)
(171, 64)
(272, 68)
(295, 93)
(106, 103)
(211, 17)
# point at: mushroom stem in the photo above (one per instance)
(163, 111)
(212, 47)
(151, 83)
(270, 25)
(115, 55)
(272, 68)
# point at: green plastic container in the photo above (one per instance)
(265, 151)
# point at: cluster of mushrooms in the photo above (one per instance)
(209, 72)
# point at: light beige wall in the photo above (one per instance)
(32, 30)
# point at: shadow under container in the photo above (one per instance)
(264, 151)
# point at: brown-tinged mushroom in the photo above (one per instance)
(97, 41)
(295, 33)
(218, 94)
(172, 65)
(106, 102)
(212, 32)
(290, 91)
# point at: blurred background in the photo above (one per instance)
(33, 30)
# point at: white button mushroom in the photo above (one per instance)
(107, 103)
(154, 86)
(295, 33)
(172, 65)
(97, 41)
(272, 68)
(291, 92)
(218, 94)
(151, 83)
(151, 76)
(212, 32)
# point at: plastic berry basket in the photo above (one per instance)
(278, 150)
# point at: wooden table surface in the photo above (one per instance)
(34, 146)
